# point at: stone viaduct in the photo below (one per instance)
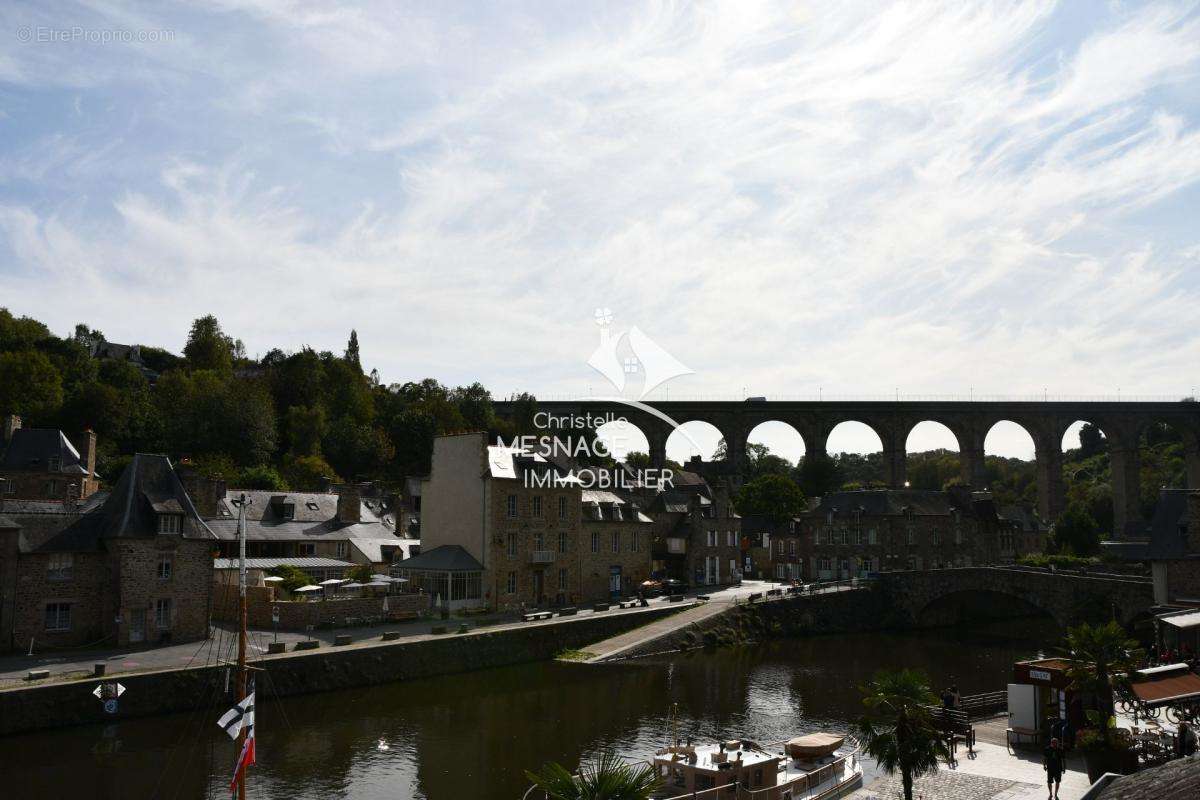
(1046, 422)
(925, 598)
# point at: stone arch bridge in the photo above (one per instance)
(934, 597)
(1046, 422)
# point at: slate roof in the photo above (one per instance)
(888, 502)
(314, 516)
(32, 449)
(1024, 516)
(1175, 780)
(372, 548)
(1168, 532)
(445, 558)
(149, 482)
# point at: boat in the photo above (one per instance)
(819, 765)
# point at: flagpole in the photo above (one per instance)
(241, 676)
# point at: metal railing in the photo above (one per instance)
(541, 557)
(895, 397)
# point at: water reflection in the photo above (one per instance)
(472, 736)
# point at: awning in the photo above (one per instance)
(1189, 619)
(1167, 691)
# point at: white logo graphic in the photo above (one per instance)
(655, 365)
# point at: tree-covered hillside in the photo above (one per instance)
(286, 419)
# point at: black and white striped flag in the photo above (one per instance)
(239, 715)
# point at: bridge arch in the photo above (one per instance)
(623, 437)
(981, 605)
(696, 437)
(854, 436)
(931, 436)
(783, 438)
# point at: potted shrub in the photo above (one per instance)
(1106, 748)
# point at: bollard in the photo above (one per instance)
(341, 640)
(276, 647)
(390, 636)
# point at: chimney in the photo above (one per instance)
(87, 452)
(12, 424)
(206, 493)
(349, 507)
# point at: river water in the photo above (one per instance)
(471, 736)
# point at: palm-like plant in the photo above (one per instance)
(606, 778)
(1097, 658)
(898, 730)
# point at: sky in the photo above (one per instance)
(792, 199)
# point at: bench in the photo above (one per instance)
(389, 636)
(703, 597)
(568, 611)
(307, 644)
(536, 615)
(1013, 736)
(676, 598)
(37, 674)
(341, 640)
(600, 606)
(755, 596)
(629, 604)
(774, 592)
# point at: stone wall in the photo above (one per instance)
(299, 615)
(595, 568)
(83, 590)
(187, 588)
(147, 694)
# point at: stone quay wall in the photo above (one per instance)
(327, 669)
(326, 613)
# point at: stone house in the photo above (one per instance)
(1171, 545)
(43, 464)
(537, 536)
(854, 533)
(697, 532)
(130, 566)
(345, 526)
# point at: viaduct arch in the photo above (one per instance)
(969, 421)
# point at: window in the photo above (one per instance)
(935, 537)
(165, 567)
(958, 537)
(539, 540)
(58, 616)
(712, 538)
(59, 565)
(51, 488)
(562, 580)
(287, 510)
(633, 544)
(791, 547)
(341, 549)
(536, 500)
(162, 613)
(562, 507)
(512, 506)
(168, 523)
(510, 585)
(910, 536)
(872, 537)
(562, 541)
(7, 486)
(730, 539)
(595, 542)
(306, 549)
(779, 547)
(616, 541)
(511, 545)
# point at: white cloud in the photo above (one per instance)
(932, 198)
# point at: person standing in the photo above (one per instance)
(1052, 762)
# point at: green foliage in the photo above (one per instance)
(29, 385)
(261, 477)
(306, 473)
(207, 347)
(293, 577)
(1097, 659)
(776, 497)
(1058, 561)
(352, 356)
(361, 573)
(606, 778)
(20, 334)
(898, 730)
(1076, 532)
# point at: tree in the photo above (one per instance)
(898, 730)
(1091, 441)
(207, 347)
(20, 334)
(1076, 532)
(606, 778)
(267, 478)
(306, 427)
(475, 405)
(307, 473)
(776, 497)
(361, 573)
(819, 475)
(1095, 657)
(637, 459)
(293, 577)
(352, 357)
(29, 385)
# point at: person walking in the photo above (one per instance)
(1052, 763)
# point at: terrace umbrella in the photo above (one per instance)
(353, 585)
(333, 582)
(309, 588)
(272, 579)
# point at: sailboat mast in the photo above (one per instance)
(241, 676)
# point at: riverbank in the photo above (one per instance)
(146, 693)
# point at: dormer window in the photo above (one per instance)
(311, 505)
(287, 511)
(169, 523)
